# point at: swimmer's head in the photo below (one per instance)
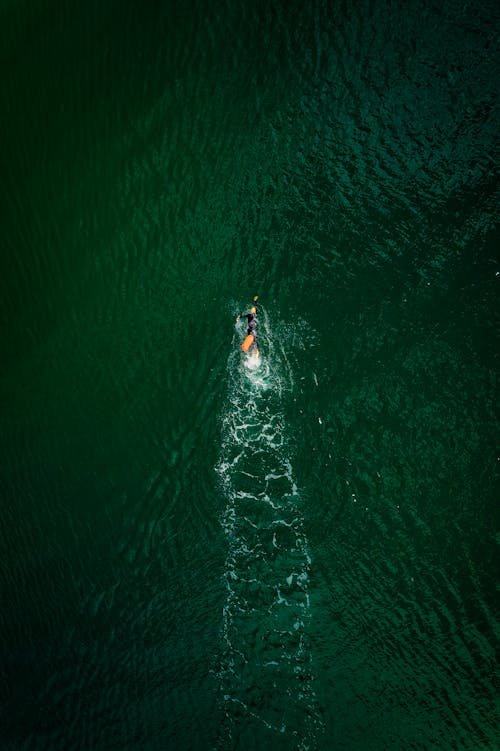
(253, 310)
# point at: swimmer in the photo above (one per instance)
(250, 342)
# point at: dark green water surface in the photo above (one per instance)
(202, 552)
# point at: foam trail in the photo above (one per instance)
(265, 674)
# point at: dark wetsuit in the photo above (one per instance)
(252, 325)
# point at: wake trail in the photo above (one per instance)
(265, 674)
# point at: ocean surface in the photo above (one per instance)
(201, 551)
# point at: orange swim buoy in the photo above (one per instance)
(247, 342)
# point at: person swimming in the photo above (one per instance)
(250, 342)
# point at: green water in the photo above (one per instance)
(196, 554)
